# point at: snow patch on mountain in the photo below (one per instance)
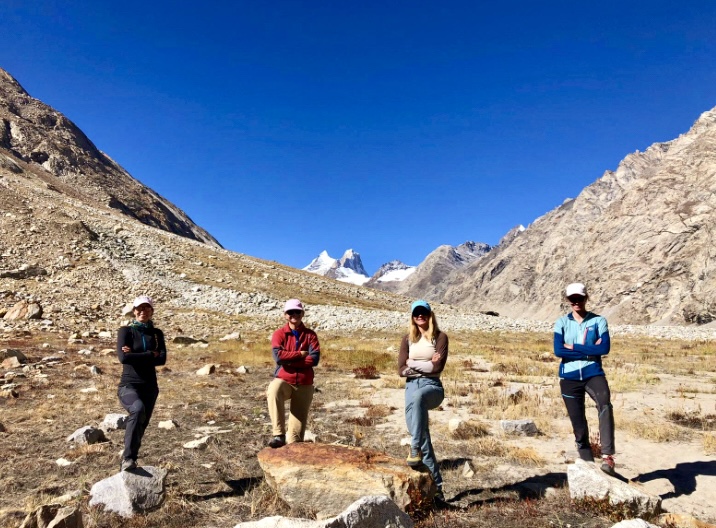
(393, 271)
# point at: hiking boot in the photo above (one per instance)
(439, 495)
(608, 464)
(277, 441)
(128, 464)
(414, 459)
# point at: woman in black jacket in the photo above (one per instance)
(140, 349)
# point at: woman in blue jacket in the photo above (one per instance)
(581, 339)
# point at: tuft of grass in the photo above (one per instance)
(709, 441)
(693, 420)
(470, 429)
(367, 372)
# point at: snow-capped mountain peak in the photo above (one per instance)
(348, 269)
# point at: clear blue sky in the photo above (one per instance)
(285, 128)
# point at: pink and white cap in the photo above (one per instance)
(143, 299)
(293, 304)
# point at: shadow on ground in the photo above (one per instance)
(682, 476)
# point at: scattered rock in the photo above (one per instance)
(367, 512)
(242, 370)
(467, 471)
(87, 435)
(63, 462)
(114, 421)
(634, 523)
(7, 394)
(11, 352)
(168, 425)
(24, 310)
(130, 492)
(54, 516)
(201, 443)
(234, 336)
(187, 340)
(519, 427)
(206, 370)
(327, 478)
(11, 362)
(586, 480)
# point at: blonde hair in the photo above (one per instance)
(414, 333)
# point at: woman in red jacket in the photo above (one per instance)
(296, 351)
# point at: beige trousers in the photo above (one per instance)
(301, 397)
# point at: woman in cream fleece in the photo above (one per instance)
(422, 357)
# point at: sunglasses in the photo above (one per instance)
(294, 313)
(143, 308)
(576, 299)
(421, 313)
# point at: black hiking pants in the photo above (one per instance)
(573, 392)
(138, 401)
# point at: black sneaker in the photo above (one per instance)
(439, 495)
(277, 441)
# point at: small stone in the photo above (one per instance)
(63, 462)
(206, 370)
(168, 425)
(201, 443)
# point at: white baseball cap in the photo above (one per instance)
(143, 299)
(576, 288)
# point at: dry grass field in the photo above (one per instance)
(664, 394)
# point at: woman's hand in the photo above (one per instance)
(569, 347)
(436, 357)
(304, 353)
(126, 349)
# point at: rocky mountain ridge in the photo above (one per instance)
(641, 237)
(32, 132)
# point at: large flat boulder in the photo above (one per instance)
(586, 480)
(130, 492)
(329, 478)
(376, 511)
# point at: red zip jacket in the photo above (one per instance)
(290, 366)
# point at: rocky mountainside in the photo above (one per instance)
(428, 279)
(640, 237)
(34, 133)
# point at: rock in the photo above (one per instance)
(454, 424)
(242, 370)
(328, 478)
(168, 425)
(11, 352)
(114, 421)
(201, 443)
(23, 310)
(367, 512)
(95, 370)
(105, 334)
(130, 492)
(634, 523)
(8, 394)
(63, 462)
(11, 362)
(54, 516)
(186, 340)
(206, 370)
(586, 480)
(519, 427)
(87, 435)
(467, 471)
(515, 395)
(234, 336)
